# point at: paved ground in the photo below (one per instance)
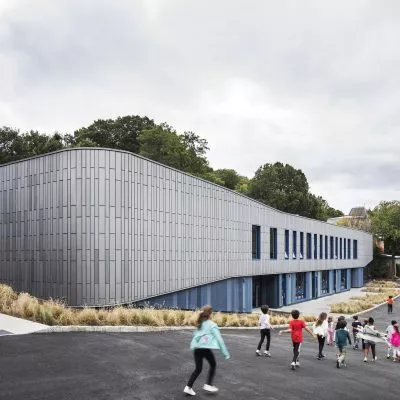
(154, 366)
(322, 304)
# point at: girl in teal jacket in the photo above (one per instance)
(205, 338)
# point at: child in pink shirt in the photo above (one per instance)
(331, 331)
(395, 342)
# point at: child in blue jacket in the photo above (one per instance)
(205, 338)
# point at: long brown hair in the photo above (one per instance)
(204, 315)
(321, 318)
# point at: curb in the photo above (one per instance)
(140, 329)
(374, 307)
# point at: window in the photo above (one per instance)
(336, 248)
(286, 244)
(325, 282)
(315, 246)
(255, 242)
(355, 250)
(331, 247)
(344, 248)
(343, 279)
(348, 249)
(340, 248)
(294, 244)
(301, 245)
(273, 243)
(300, 285)
(321, 249)
(326, 247)
(308, 246)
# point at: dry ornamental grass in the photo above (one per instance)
(377, 293)
(54, 312)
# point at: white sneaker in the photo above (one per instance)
(258, 352)
(297, 363)
(189, 391)
(267, 353)
(365, 359)
(293, 365)
(375, 358)
(210, 388)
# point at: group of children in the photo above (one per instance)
(207, 337)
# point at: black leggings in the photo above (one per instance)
(321, 343)
(265, 333)
(390, 308)
(296, 351)
(372, 346)
(199, 354)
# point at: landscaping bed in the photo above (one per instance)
(53, 312)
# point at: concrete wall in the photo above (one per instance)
(102, 227)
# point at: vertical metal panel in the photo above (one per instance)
(75, 221)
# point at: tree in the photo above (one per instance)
(11, 147)
(35, 143)
(281, 186)
(122, 133)
(229, 177)
(182, 152)
(385, 220)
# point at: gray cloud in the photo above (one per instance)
(310, 83)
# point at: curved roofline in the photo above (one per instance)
(182, 172)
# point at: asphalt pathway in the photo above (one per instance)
(150, 366)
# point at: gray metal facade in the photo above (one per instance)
(101, 227)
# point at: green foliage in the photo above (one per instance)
(283, 187)
(122, 133)
(385, 220)
(14, 146)
(230, 178)
(278, 185)
(183, 152)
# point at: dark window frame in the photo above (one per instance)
(256, 242)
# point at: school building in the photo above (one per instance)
(100, 227)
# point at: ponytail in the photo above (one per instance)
(204, 315)
(321, 319)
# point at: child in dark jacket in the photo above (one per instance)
(342, 336)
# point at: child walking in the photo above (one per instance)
(342, 335)
(356, 324)
(320, 329)
(369, 329)
(265, 331)
(390, 304)
(205, 338)
(395, 342)
(331, 331)
(389, 332)
(296, 327)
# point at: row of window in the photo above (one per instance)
(316, 246)
(300, 280)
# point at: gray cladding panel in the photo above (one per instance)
(100, 227)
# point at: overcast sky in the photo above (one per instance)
(314, 84)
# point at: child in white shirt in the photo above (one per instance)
(265, 331)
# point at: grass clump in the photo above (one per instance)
(53, 312)
(377, 292)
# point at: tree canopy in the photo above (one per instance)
(278, 185)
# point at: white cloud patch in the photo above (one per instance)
(313, 84)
